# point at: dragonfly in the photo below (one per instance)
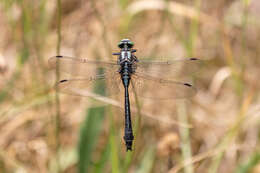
(149, 79)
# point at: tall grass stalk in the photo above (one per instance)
(113, 148)
(182, 114)
(57, 97)
(185, 137)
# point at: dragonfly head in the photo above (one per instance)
(126, 52)
(125, 43)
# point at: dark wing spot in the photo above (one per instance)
(187, 84)
(64, 80)
(194, 59)
(59, 56)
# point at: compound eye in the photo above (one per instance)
(126, 42)
(120, 45)
(130, 44)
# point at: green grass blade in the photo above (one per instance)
(88, 136)
(100, 165)
(185, 137)
(90, 130)
(127, 161)
(114, 152)
(247, 166)
(147, 162)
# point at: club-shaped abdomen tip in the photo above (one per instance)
(129, 145)
(128, 142)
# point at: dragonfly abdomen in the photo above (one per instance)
(126, 77)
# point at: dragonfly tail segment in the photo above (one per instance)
(129, 137)
(129, 141)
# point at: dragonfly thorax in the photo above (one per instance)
(125, 55)
(126, 52)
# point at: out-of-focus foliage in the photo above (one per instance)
(247, 166)
(217, 131)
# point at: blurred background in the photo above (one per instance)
(217, 131)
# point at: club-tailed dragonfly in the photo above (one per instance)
(148, 78)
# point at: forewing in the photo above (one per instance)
(82, 66)
(169, 69)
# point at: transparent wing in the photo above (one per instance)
(82, 66)
(79, 76)
(169, 69)
(156, 88)
(100, 84)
